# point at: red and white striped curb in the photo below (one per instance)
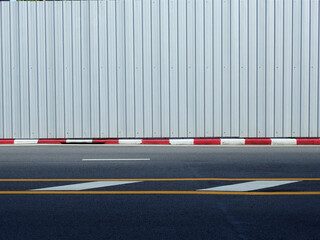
(196, 141)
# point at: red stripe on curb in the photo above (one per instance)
(155, 141)
(312, 141)
(51, 141)
(7, 141)
(106, 141)
(258, 141)
(214, 141)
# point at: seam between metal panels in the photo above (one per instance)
(274, 69)
(283, 65)
(204, 68)
(257, 67)
(169, 65)
(2, 77)
(212, 66)
(134, 70)
(72, 71)
(309, 112)
(195, 69)
(300, 58)
(125, 70)
(187, 72)
(11, 70)
(28, 42)
(318, 107)
(46, 68)
(19, 74)
(222, 66)
(107, 65)
(292, 63)
(37, 54)
(116, 67)
(99, 75)
(160, 66)
(152, 71)
(142, 72)
(178, 71)
(89, 70)
(265, 66)
(63, 73)
(81, 105)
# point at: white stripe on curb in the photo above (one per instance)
(26, 141)
(130, 141)
(284, 141)
(234, 141)
(181, 141)
(79, 141)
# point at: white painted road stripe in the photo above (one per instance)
(248, 186)
(84, 186)
(118, 159)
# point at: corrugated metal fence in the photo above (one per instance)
(159, 68)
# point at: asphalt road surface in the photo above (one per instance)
(159, 192)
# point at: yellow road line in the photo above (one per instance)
(162, 179)
(160, 192)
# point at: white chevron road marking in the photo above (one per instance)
(248, 186)
(84, 186)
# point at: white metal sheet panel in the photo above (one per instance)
(141, 68)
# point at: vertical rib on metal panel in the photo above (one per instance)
(68, 77)
(217, 68)
(270, 73)
(191, 61)
(94, 69)
(76, 69)
(1, 74)
(85, 72)
(103, 70)
(279, 69)
(112, 69)
(208, 68)
(15, 77)
(296, 72)
(226, 61)
(121, 68)
(156, 81)
(138, 66)
(59, 69)
(164, 66)
(244, 59)
(182, 72)
(130, 87)
(42, 73)
(234, 68)
(314, 69)
(305, 68)
(261, 80)
(199, 18)
(287, 67)
(253, 68)
(6, 71)
(24, 71)
(173, 72)
(147, 67)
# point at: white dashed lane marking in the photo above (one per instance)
(84, 186)
(248, 186)
(117, 159)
